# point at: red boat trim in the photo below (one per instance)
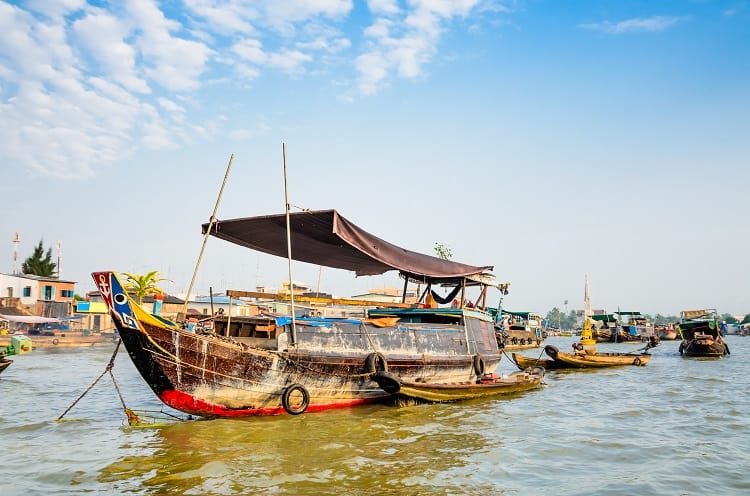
(195, 406)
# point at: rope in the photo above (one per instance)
(107, 369)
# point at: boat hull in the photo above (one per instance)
(4, 364)
(459, 391)
(524, 362)
(584, 360)
(707, 348)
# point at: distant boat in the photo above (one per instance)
(701, 336)
(519, 330)
(667, 331)
(623, 327)
(4, 363)
(582, 359)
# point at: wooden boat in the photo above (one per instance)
(581, 358)
(524, 362)
(666, 332)
(623, 327)
(700, 334)
(519, 330)
(268, 364)
(4, 363)
(437, 392)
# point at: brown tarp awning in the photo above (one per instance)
(326, 238)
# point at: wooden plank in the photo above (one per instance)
(232, 293)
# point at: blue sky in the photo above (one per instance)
(550, 139)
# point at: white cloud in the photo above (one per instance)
(250, 50)
(171, 106)
(102, 36)
(84, 85)
(71, 105)
(651, 24)
(175, 63)
(55, 8)
(403, 42)
(289, 61)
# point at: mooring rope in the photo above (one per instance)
(107, 369)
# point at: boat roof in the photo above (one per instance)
(523, 315)
(324, 237)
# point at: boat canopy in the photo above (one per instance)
(324, 237)
(523, 315)
(29, 319)
(604, 317)
(697, 314)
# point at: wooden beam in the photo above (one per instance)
(316, 299)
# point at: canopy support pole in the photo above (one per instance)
(289, 248)
(211, 223)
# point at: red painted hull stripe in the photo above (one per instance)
(190, 404)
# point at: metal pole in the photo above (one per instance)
(289, 247)
(211, 223)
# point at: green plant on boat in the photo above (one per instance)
(144, 285)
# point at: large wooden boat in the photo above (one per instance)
(438, 392)
(700, 334)
(268, 365)
(581, 358)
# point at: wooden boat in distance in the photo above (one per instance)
(439, 392)
(582, 359)
(701, 336)
(268, 365)
(4, 363)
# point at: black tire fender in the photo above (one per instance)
(387, 381)
(376, 362)
(295, 409)
(55, 341)
(551, 351)
(478, 364)
(536, 370)
(637, 361)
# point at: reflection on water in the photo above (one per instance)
(676, 426)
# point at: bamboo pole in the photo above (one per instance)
(289, 247)
(211, 223)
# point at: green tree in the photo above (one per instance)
(39, 263)
(728, 318)
(555, 318)
(746, 320)
(443, 251)
(143, 285)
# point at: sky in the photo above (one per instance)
(552, 140)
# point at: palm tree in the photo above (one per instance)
(143, 285)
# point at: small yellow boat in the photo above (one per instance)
(524, 362)
(488, 385)
(585, 359)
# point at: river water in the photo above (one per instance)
(677, 426)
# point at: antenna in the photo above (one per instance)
(59, 257)
(15, 253)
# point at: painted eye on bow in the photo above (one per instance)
(120, 299)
